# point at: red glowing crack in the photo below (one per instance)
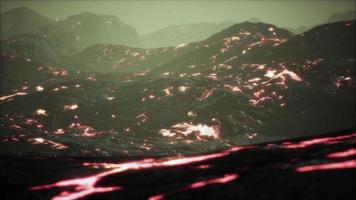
(220, 180)
(349, 164)
(86, 186)
(346, 153)
(307, 143)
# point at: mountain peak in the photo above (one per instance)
(20, 11)
(21, 20)
(253, 20)
(345, 16)
(82, 15)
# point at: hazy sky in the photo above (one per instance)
(147, 16)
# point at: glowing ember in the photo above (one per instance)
(59, 132)
(191, 114)
(254, 80)
(110, 98)
(142, 117)
(41, 112)
(271, 29)
(83, 130)
(12, 95)
(206, 94)
(349, 164)
(186, 129)
(293, 75)
(182, 88)
(166, 133)
(52, 144)
(167, 91)
(39, 88)
(270, 73)
(71, 107)
(234, 89)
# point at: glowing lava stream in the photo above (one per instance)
(347, 153)
(307, 143)
(220, 180)
(349, 164)
(86, 186)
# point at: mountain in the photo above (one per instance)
(227, 46)
(22, 75)
(69, 36)
(78, 32)
(123, 59)
(345, 16)
(253, 20)
(30, 47)
(174, 35)
(20, 21)
(299, 29)
(229, 42)
(337, 17)
(250, 83)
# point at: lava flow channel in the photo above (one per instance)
(86, 186)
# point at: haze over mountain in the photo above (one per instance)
(182, 34)
(88, 114)
(336, 17)
(31, 47)
(72, 34)
(21, 20)
(77, 32)
(345, 16)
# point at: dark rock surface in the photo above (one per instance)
(319, 167)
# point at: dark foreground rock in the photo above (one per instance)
(319, 167)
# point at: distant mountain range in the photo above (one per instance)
(337, 17)
(75, 33)
(71, 35)
(20, 21)
(345, 16)
(181, 34)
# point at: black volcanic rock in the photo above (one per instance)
(174, 35)
(24, 75)
(334, 41)
(31, 47)
(321, 167)
(237, 87)
(20, 21)
(232, 43)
